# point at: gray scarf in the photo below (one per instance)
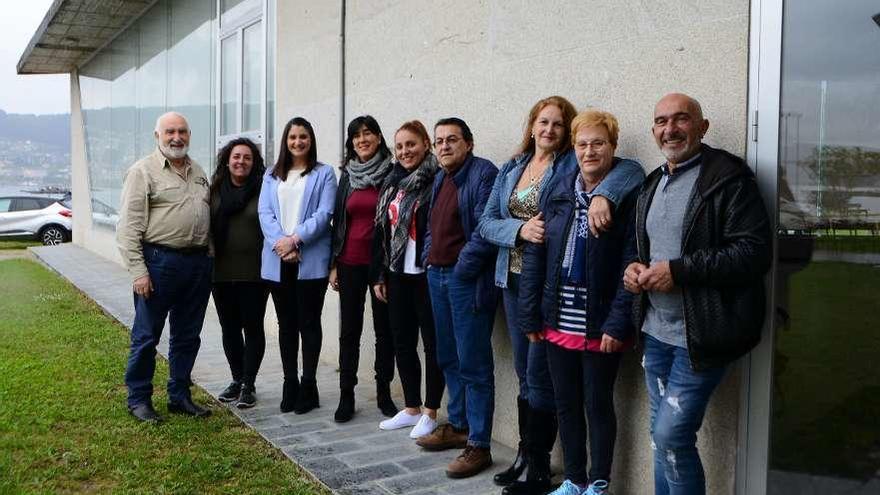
(417, 185)
(370, 173)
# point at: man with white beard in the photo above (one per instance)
(163, 237)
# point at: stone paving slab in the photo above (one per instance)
(355, 458)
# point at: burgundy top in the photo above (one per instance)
(360, 210)
(447, 235)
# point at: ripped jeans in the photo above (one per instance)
(679, 396)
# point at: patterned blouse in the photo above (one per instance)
(523, 205)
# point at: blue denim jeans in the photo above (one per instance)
(181, 287)
(529, 359)
(464, 353)
(679, 396)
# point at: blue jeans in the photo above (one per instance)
(181, 287)
(464, 353)
(529, 359)
(679, 396)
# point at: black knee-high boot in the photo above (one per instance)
(542, 435)
(521, 462)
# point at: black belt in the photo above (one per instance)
(182, 250)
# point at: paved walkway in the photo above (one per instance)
(353, 458)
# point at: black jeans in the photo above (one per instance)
(353, 286)
(298, 304)
(409, 309)
(241, 306)
(584, 378)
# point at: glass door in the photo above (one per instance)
(824, 414)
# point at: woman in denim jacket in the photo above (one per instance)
(512, 218)
(572, 298)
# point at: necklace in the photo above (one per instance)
(532, 177)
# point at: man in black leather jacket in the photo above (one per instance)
(704, 245)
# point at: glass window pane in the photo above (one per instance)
(151, 74)
(190, 88)
(123, 112)
(269, 144)
(825, 437)
(229, 85)
(227, 5)
(164, 61)
(252, 77)
(4, 204)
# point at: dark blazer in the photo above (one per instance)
(476, 261)
(609, 305)
(726, 250)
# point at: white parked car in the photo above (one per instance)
(30, 217)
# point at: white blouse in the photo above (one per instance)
(290, 195)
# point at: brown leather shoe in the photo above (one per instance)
(472, 461)
(444, 437)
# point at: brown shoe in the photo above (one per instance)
(472, 461)
(444, 437)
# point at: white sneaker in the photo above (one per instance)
(400, 420)
(425, 426)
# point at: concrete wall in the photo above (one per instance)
(488, 61)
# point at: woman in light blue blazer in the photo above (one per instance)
(513, 217)
(296, 204)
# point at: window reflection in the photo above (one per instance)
(161, 62)
(825, 436)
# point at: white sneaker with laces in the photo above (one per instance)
(400, 420)
(425, 426)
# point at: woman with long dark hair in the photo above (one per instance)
(240, 294)
(296, 205)
(367, 162)
(399, 276)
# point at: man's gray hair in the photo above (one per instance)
(158, 127)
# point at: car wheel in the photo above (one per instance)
(52, 235)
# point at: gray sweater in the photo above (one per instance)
(664, 319)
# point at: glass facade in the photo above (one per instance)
(163, 61)
(824, 432)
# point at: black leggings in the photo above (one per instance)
(353, 286)
(584, 378)
(409, 308)
(298, 304)
(241, 308)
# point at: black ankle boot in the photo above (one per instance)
(383, 399)
(542, 435)
(307, 398)
(289, 393)
(345, 411)
(520, 463)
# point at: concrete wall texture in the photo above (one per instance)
(488, 61)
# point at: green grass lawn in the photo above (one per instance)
(6, 245)
(827, 391)
(64, 427)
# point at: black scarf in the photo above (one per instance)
(232, 200)
(417, 185)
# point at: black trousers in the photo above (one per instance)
(409, 308)
(298, 304)
(585, 379)
(241, 308)
(353, 286)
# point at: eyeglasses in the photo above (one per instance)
(451, 141)
(597, 144)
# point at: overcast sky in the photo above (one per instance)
(27, 94)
